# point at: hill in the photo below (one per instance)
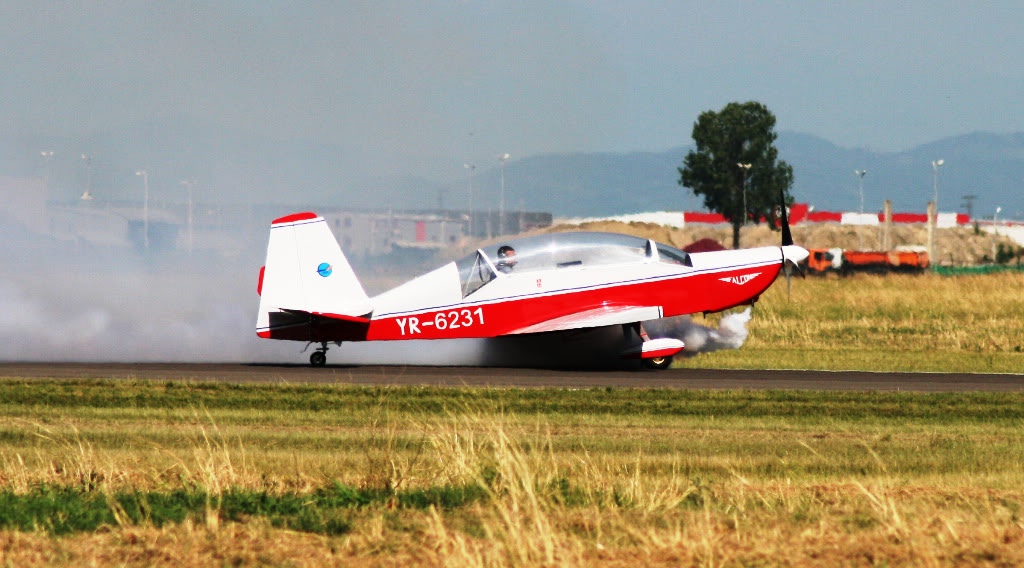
(989, 166)
(244, 169)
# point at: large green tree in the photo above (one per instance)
(735, 165)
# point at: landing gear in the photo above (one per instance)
(658, 363)
(656, 354)
(319, 357)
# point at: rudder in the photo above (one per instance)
(306, 272)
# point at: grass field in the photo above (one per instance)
(970, 324)
(178, 474)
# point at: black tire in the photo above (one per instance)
(658, 363)
(318, 359)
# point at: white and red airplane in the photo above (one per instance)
(546, 284)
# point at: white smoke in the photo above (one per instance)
(731, 333)
(129, 316)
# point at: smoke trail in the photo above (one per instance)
(731, 333)
(130, 316)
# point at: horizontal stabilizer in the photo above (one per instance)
(339, 317)
(299, 325)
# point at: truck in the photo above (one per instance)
(843, 262)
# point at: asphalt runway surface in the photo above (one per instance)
(509, 377)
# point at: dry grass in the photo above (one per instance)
(747, 488)
(897, 312)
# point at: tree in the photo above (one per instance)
(735, 165)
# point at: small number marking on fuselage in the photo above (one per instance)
(451, 319)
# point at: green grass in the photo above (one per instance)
(62, 509)
(282, 405)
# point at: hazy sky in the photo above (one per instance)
(422, 87)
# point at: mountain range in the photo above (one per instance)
(239, 168)
(987, 166)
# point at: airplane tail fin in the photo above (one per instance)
(307, 281)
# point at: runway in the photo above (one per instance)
(526, 378)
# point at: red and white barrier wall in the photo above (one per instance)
(802, 213)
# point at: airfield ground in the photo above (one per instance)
(137, 464)
(178, 473)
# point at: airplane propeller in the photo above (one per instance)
(792, 254)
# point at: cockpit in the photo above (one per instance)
(561, 251)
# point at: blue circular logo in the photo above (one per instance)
(324, 269)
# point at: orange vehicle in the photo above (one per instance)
(822, 261)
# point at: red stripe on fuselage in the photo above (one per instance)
(685, 294)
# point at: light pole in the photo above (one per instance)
(995, 235)
(47, 156)
(746, 170)
(501, 201)
(145, 208)
(860, 191)
(860, 187)
(469, 191)
(87, 196)
(190, 184)
(935, 183)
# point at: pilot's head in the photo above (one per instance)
(506, 258)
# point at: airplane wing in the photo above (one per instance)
(596, 317)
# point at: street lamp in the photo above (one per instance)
(860, 189)
(935, 183)
(995, 235)
(87, 196)
(145, 207)
(746, 170)
(501, 202)
(469, 192)
(47, 156)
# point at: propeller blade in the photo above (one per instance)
(787, 237)
(793, 265)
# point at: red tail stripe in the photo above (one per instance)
(295, 217)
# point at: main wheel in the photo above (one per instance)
(658, 363)
(318, 359)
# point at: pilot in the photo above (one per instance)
(506, 259)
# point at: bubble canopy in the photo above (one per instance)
(562, 251)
